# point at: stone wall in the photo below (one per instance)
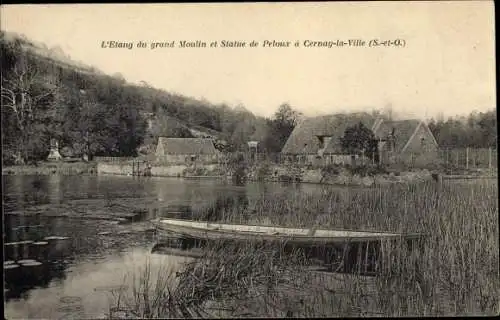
(341, 176)
(156, 170)
(185, 159)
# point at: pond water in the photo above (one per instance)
(69, 238)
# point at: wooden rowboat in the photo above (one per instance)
(340, 250)
(218, 231)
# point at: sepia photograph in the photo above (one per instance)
(250, 160)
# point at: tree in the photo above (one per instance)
(280, 127)
(102, 129)
(118, 76)
(27, 99)
(286, 115)
(358, 139)
(478, 130)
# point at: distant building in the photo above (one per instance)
(317, 140)
(186, 151)
(407, 141)
(54, 154)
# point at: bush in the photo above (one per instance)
(8, 158)
(365, 170)
(67, 152)
(285, 178)
(192, 171)
(330, 169)
(263, 171)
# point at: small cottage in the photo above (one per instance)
(186, 151)
(407, 141)
(317, 140)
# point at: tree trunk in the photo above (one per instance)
(24, 147)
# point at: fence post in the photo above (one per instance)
(467, 158)
(489, 157)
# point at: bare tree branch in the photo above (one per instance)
(23, 91)
(10, 96)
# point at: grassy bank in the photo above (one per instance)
(49, 168)
(457, 273)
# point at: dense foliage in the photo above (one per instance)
(359, 139)
(478, 130)
(89, 112)
(280, 127)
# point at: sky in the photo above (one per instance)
(446, 67)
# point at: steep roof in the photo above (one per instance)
(403, 130)
(187, 146)
(303, 139)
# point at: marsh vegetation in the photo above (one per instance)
(456, 273)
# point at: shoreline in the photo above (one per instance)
(52, 168)
(311, 176)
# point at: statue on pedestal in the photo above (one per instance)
(54, 154)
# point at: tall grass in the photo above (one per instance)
(455, 273)
(149, 294)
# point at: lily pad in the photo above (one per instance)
(32, 264)
(26, 261)
(56, 238)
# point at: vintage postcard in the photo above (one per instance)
(319, 159)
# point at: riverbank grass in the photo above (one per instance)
(52, 168)
(456, 273)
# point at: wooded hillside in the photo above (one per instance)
(46, 95)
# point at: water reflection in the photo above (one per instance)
(86, 290)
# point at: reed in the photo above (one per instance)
(455, 273)
(146, 293)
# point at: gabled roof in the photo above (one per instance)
(403, 131)
(303, 139)
(183, 146)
